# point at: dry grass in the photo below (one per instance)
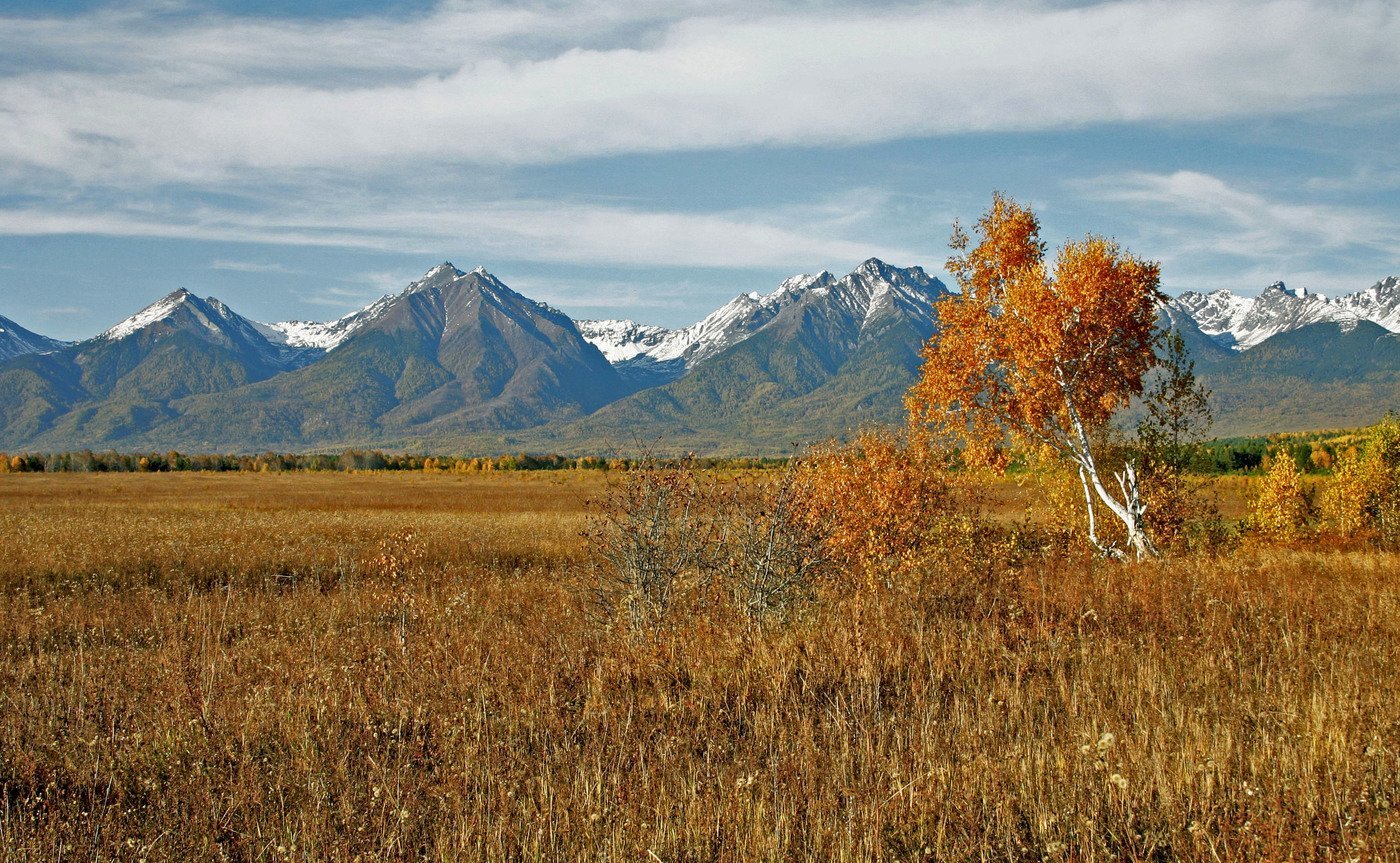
(206, 668)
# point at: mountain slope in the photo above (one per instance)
(16, 341)
(1323, 375)
(833, 355)
(453, 354)
(125, 381)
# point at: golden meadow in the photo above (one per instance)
(413, 666)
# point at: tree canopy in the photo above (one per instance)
(1039, 353)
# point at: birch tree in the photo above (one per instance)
(1043, 354)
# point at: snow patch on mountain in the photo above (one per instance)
(327, 336)
(154, 313)
(645, 352)
(16, 341)
(1243, 322)
(622, 340)
(1379, 303)
(872, 291)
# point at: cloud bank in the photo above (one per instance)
(130, 98)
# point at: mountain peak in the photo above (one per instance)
(444, 267)
(157, 311)
(15, 340)
(1297, 293)
(799, 282)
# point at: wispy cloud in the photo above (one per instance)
(1269, 225)
(250, 267)
(549, 231)
(113, 95)
(1195, 218)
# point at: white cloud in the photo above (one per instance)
(559, 232)
(1258, 225)
(249, 267)
(1197, 219)
(118, 97)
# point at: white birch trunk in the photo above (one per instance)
(1129, 510)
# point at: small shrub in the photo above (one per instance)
(773, 558)
(653, 534)
(887, 504)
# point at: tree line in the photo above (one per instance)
(87, 461)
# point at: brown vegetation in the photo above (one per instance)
(385, 667)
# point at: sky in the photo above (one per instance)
(651, 159)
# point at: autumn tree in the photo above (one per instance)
(1037, 353)
(1176, 418)
(1365, 491)
(1280, 509)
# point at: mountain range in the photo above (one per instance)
(459, 362)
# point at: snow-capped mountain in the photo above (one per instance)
(650, 354)
(654, 354)
(876, 289)
(328, 335)
(622, 340)
(182, 311)
(1379, 303)
(453, 353)
(16, 341)
(321, 335)
(1243, 322)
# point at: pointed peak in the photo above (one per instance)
(438, 276)
(157, 311)
(481, 271)
(1280, 287)
(878, 270)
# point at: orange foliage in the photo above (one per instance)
(1034, 355)
(883, 502)
(1032, 350)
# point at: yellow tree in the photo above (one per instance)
(1280, 510)
(1041, 354)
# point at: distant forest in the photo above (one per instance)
(349, 460)
(1313, 452)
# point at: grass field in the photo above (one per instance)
(387, 667)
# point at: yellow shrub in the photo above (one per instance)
(1280, 511)
(1365, 491)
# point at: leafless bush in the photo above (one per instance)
(667, 530)
(774, 559)
(651, 534)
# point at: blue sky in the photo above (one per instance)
(653, 158)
